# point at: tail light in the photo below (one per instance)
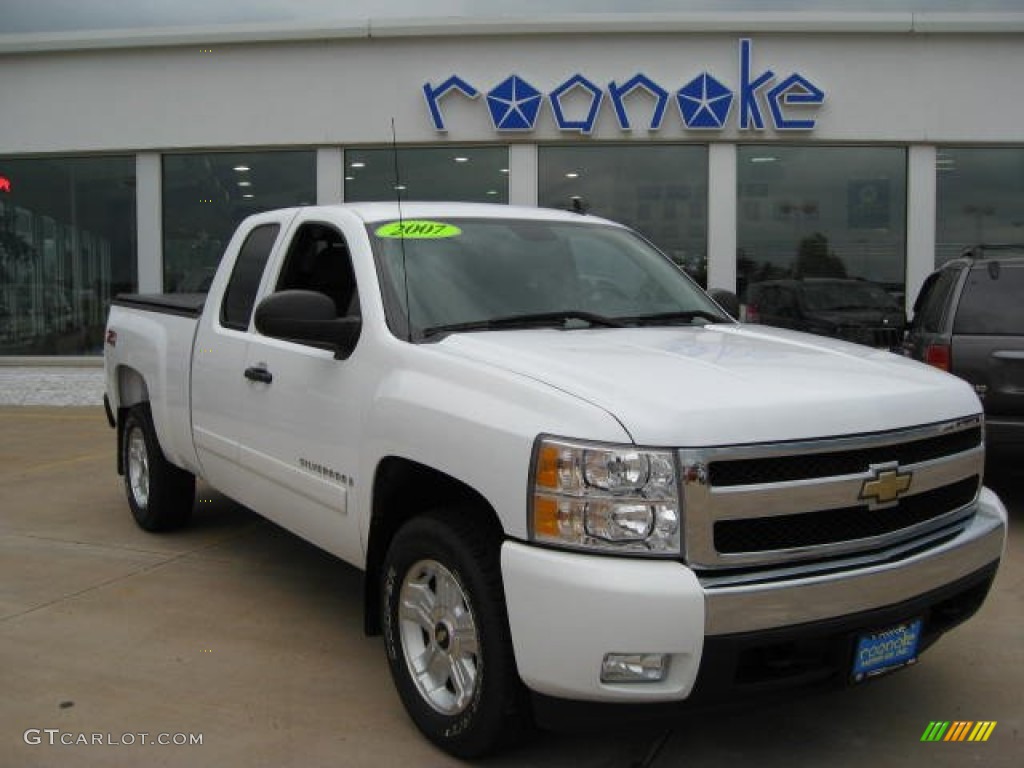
(937, 355)
(753, 314)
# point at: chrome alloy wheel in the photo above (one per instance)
(439, 637)
(138, 467)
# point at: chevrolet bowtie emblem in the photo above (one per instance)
(886, 486)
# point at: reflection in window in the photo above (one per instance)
(659, 190)
(67, 246)
(206, 196)
(465, 174)
(980, 199)
(836, 212)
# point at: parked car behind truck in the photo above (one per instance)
(568, 474)
(854, 310)
(969, 320)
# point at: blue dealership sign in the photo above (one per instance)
(705, 103)
(514, 105)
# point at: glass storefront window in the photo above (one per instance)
(658, 190)
(466, 174)
(821, 212)
(67, 246)
(979, 199)
(205, 196)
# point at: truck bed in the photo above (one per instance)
(184, 304)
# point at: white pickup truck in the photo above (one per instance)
(568, 474)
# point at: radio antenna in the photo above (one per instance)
(401, 231)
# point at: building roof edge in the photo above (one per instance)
(579, 24)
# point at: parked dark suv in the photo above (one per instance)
(854, 310)
(969, 320)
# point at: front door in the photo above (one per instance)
(301, 414)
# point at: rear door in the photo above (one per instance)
(219, 353)
(988, 337)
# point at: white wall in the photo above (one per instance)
(905, 88)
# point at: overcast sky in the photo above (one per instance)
(70, 15)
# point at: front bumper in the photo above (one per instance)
(566, 611)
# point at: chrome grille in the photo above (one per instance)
(808, 466)
(764, 505)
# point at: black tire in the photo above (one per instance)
(160, 494)
(452, 549)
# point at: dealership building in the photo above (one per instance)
(748, 147)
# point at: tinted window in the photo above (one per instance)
(992, 302)
(821, 212)
(67, 247)
(470, 174)
(979, 197)
(659, 190)
(207, 195)
(245, 277)
(931, 306)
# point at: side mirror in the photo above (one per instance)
(727, 300)
(307, 317)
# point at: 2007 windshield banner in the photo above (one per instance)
(704, 103)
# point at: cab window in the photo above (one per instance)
(318, 260)
(240, 295)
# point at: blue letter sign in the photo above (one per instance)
(705, 102)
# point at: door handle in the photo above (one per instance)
(259, 374)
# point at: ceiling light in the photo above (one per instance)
(350, 178)
(400, 187)
(766, 159)
(357, 164)
(248, 195)
(461, 159)
(492, 191)
(241, 168)
(572, 175)
(245, 183)
(503, 170)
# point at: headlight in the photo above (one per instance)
(609, 498)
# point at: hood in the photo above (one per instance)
(725, 384)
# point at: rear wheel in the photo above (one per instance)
(160, 494)
(446, 634)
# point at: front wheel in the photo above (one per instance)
(446, 634)
(160, 494)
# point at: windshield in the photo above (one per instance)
(846, 294)
(486, 274)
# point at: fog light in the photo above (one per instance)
(634, 667)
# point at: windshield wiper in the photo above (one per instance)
(534, 320)
(668, 318)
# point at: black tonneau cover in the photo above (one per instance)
(184, 304)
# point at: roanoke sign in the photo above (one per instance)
(760, 99)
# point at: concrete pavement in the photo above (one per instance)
(239, 633)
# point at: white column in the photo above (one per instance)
(522, 174)
(722, 192)
(330, 170)
(149, 214)
(921, 208)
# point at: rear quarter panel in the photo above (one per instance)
(152, 360)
